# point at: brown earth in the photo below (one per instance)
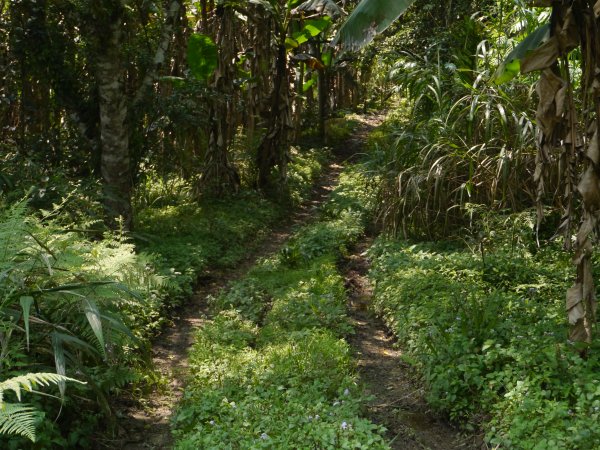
(398, 402)
(398, 395)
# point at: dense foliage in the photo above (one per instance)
(487, 330)
(272, 370)
(144, 144)
(87, 307)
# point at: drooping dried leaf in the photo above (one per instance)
(324, 7)
(569, 34)
(593, 151)
(549, 89)
(541, 58)
(574, 296)
(589, 188)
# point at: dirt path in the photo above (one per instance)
(399, 400)
(146, 425)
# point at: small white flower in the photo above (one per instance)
(344, 426)
(212, 422)
(317, 417)
(310, 417)
(264, 436)
(346, 391)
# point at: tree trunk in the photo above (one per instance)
(114, 135)
(273, 150)
(218, 175)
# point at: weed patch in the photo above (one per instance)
(272, 370)
(489, 337)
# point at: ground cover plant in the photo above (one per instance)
(272, 369)
(485, 327)
(87, 308)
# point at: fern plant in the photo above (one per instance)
(19, 419)
(68, 305)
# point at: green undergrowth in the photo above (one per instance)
(85, 304)
(186, 236)
(72, 306)
(272, 368)
(487, 330)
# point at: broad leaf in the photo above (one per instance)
(511, 65)
(60, 360)
(312, 28)
(93, 316)
(26, 302)
(323, 7)
(202, 56)
(370, 18)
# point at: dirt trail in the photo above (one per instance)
(398, 396)
(398, 402)
(147, 426)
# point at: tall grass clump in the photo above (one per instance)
(457, 138)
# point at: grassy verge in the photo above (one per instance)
(272, 369)
(186, 237)
(88, 307)
(488, 332)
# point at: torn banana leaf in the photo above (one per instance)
(511, 66)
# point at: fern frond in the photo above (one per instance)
(29, 381)
(17, 419)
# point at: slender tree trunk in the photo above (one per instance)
(274, 148)
(218, 174)
(114, 134)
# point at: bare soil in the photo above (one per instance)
(398, 395)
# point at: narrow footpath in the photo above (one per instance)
(398, 398)
(146, 425)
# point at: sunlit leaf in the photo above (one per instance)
(368, 19)
(511, 65)
(202, 56)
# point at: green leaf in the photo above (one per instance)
(202, 56)
(312, 28)
(93, 316)
(511, 65)
(18, 419)
(368, 19)
(59, 359)
(26, 302)
(291, 44)
(310, 83)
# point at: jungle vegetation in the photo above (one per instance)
(145, 143)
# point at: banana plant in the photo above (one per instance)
(368, 19)
(573, 25)
(291, 30)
